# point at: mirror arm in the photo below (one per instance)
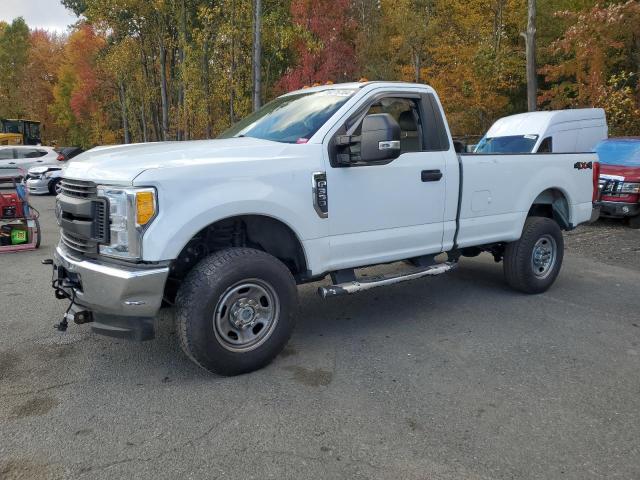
(347, 140)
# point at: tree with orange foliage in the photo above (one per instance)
(595, 65)
(41, 75)
(80, 96)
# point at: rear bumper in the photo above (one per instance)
(618, 209)
(123, 299)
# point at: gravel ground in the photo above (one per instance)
(608, 240)
(455, 377)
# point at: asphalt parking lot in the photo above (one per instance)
(455, 377)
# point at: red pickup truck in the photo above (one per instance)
(619, 184)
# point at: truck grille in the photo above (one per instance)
(83, 217)
(78, 188)
(78, 244)
(609, 187)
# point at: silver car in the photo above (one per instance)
(44, 180)
(25, 156)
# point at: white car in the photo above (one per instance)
(15, 157)
(44, 179)
(318, 183)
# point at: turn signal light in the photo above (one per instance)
(145, 207)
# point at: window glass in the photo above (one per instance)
(546, 146)
(405, 111)
(30, 153)
(6, 154)
(12, 126)
(622, 151)
(291, 118)
(507, 144)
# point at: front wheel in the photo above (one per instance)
(532, 263)
(54, 186)
(235, 310)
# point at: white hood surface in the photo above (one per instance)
(121, 164)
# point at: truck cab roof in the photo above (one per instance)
(358, 86)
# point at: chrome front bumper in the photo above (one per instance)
(112, 290)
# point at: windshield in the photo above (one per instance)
(292, 118)
(509, 144)
(12, 126)
(624, 152)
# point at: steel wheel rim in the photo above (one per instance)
(543, 256)
(246, 315)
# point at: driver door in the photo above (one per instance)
(392, 210)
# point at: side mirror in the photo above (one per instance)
(379, 138)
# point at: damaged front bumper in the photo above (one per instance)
(123, 300)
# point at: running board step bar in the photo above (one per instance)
(348, 288)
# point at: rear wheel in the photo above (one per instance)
(235, 310)
(532, 263)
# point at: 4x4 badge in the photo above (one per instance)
(583, 165)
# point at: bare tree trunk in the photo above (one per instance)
(182, 126)
(232, 70)
(206, 87)
(530, 44)
(143, 120)
(123, 109)
(416, 65)
(163, 91)
(257, 54)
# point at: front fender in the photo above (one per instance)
(185, 208)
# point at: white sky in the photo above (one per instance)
(44, 14)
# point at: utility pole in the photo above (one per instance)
(530, 45)
(257, 54)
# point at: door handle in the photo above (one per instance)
(430, 175)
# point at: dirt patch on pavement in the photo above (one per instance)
(24, 469)
(35, 407)
(608, 241)
(312, 378)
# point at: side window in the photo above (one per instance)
(546, 146)
(406, 112)
(31, 153)
(6, 154)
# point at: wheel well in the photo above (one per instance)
(253, 231)
(552, 203)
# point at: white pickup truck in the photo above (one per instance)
(319, 182)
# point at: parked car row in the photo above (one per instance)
(42, 164)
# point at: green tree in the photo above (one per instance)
(14, 58)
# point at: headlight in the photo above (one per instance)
(131, 210)
(630, 188)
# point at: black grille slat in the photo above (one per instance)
(78, 188)
(77, 244)
(98, 215)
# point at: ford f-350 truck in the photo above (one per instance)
(318, 183)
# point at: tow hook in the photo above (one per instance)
(79, 317)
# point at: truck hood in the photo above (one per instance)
(630, 174)
(121, 164)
